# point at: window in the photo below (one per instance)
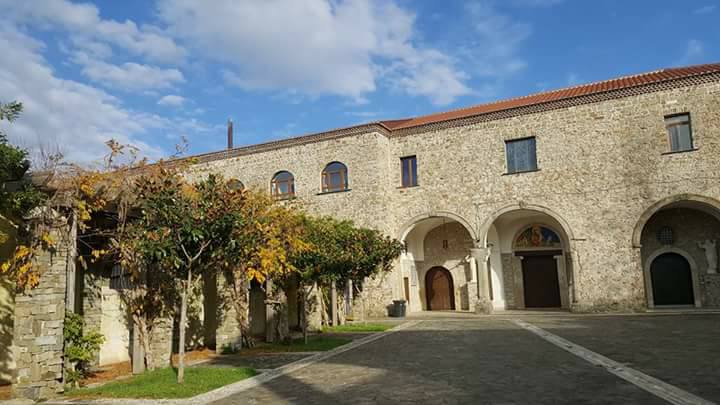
(334, 177)
(283, 185)
(520, 155)
(679, 132)
(409, 171)
(235, 185)
(119, 278)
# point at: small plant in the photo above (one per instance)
(80, 348)
(228, 349)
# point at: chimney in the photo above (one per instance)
(230, 134)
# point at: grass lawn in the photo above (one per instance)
(314, 344)
(357, 327)
(161, 383)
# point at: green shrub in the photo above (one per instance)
(80, 348)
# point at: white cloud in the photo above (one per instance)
(129, 75)
(315, 47)
(172, 100)
(694, 51)
(74, 116)
(494, 51)
(84, 21)
(705, 9)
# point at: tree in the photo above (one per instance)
(341, 252)
(260, 247)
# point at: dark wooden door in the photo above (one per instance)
(540, 282)
(671, 280)
(439, 289)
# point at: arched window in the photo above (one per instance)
(334, 177)
(283, 185)
(235, 184)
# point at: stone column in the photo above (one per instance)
(563, 281)
(483, 304)
(472, 284)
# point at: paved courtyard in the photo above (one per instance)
(494, 360)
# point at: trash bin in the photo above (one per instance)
(398, 310)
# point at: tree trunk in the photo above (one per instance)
(144, 336)
(324, 318)
(304, 311)
(183, 321)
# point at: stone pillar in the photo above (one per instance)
(161, 340)
(519, 288)
(563, 281)
(333, 303)
(38, 333)
(313, 312)
(472, 285)
(483, 304)
(227, 335)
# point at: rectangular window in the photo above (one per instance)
(409, 171)
(119, 278)
(520, 155)
(679, 132)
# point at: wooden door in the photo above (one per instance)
(671, 280)
(439, 290)
(540, 282)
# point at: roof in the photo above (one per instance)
(557, 95)
(625, 86)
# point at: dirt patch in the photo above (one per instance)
(195, 356)
(5, 392)
(108, 373)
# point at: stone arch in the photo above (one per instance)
(566, 230)
(706, 204)
(693, 273)
(409, 225)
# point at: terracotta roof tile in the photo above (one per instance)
(557, 95)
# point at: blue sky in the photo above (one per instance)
(151, 72)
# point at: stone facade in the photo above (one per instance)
(602, 164)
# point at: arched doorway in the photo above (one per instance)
(678, 239)
(671, 279)
(439, 290)
(438, 239)
(530, 253)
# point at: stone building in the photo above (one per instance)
(599, 197)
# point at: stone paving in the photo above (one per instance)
(491, 360)
(682, 350)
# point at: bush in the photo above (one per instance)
(80, 348)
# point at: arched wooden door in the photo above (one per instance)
(439, 290)
(671, 279)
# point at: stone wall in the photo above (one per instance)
(7, 304)
(38, 333)
(601, 166)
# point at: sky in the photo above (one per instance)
(152, 73)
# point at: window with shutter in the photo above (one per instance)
(409, 171)
(679, 132)
(520, 155)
